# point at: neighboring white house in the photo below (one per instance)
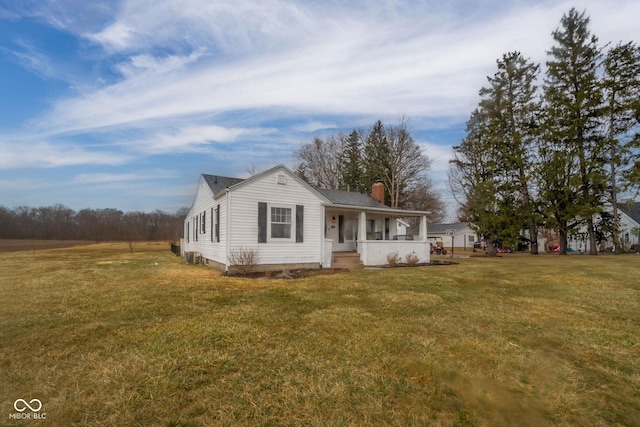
(290, 224)
(630, 223)
(629, 217)
(459, 234)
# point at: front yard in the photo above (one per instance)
(103, 337)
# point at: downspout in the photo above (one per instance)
(323, 225)
(228, 231)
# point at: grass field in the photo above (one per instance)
(103, 337)
(12, 245)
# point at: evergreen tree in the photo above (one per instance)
(573, 97)
(477, 179)
(559, 182)
(512, 106)
(376, 154)
(352, 170)
(355, 163)
(621, 92)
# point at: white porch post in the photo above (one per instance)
(362, 237)
(362, 226)
(423, 228)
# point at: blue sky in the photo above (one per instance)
(123, 104)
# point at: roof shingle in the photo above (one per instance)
(219, 183)
(341, 197)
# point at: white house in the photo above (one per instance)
(629, 234)
(290, 224)
(630, 224)
(459, 234)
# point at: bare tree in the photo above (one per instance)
(253, 169)
(320, 161)
(422, 196)
(405, 163)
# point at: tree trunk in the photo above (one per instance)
(592, 237)
(533, 236)
(491, 249)
(563, 241)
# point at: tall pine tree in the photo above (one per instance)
(621, 91)
(512, 106)
(352, 173)
(573, 99)
(376, 155)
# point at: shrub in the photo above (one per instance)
(244, 259)
(412, 259)
(393, 259)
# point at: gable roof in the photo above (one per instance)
(442, 228)
(631, 209)
(341, 197)
(218, 183)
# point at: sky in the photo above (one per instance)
(123, 104)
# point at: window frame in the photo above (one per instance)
(291, 223)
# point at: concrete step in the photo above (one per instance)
(347, 260)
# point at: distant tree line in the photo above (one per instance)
(553, 157)
(356, 161)
(59, 222)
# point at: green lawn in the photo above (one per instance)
(103, 337)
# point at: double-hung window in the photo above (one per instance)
(280, 223)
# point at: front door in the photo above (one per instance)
(343, 232)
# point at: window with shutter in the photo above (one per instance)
(299, 224)
(280, 223)
(218, 223)
(262, 222)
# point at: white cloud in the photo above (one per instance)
(440, 157)
(116, 36)
(186, 59)
(313, 126)
(19, 153)
(329, 63)
(30, 58)
(107, 178)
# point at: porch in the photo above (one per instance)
(374, 233)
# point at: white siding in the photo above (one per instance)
(628, 228)
(244, 219)
(203, 205)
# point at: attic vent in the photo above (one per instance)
(281, 179)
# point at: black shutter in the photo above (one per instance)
(262, 222)
(340, 228)
(218, 223)
(212, 224)
(299, 223)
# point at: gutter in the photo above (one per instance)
(228, 231)
(386, 210)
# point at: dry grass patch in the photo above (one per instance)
(104, 337)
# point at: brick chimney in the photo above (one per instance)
(377, 191)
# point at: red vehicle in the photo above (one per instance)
(437, 247)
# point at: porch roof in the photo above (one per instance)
(351, 198)
(383, 210)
